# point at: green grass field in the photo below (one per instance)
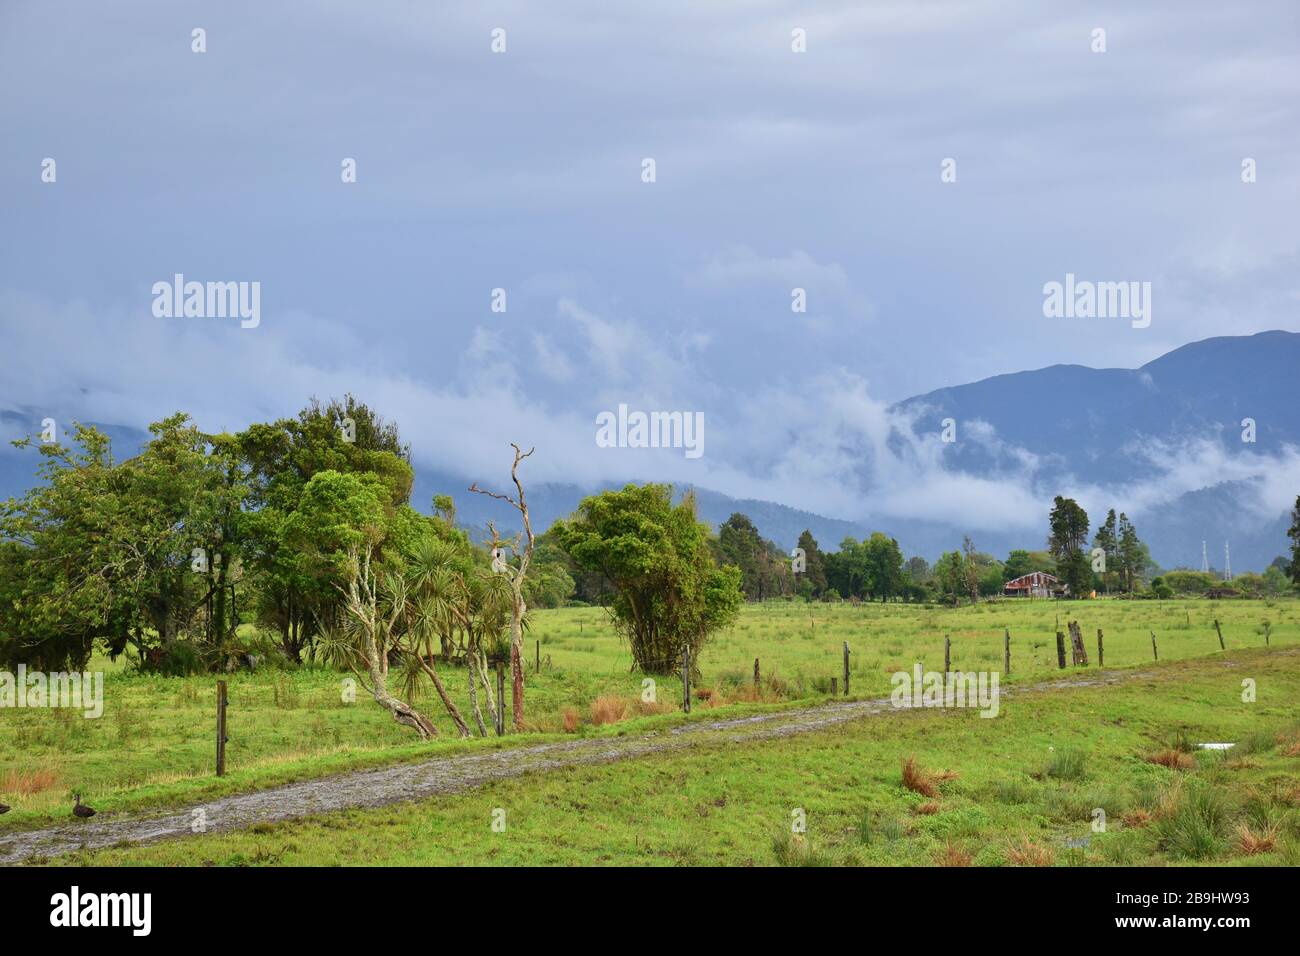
(1025, 792)
(154, 744)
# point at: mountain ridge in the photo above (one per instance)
(1199, 391)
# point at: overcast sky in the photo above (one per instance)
(522, 170)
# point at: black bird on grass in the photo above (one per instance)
(79, 809)
(4, 808)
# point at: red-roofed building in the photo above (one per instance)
(1034, 584)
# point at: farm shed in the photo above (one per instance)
(1034, 584)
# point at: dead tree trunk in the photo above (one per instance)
(517, 575)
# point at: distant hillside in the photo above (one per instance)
(1087, 423)
(1094, 424)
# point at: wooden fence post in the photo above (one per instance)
(1220, 632)
(1267, 629)
(686, 678)
(835, 688)
(756, 679)
(1060, 650)
(1154, 652)
(1101, 651)
(1006, 650)
(222, 703)
(947, 653)
(846, 668)
(1079, 653)
(539, 657)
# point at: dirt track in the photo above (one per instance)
(440, 775)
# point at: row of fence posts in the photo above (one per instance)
(1080, 658)
(686, 677)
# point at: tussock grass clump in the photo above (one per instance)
(1025, 852)
(606, 709)
(952, 855)
(926, 809)
(1258, 742)
(1012, 791)
(893, 830)
(1173, 759)
(26, 783)
(1192, 821)
(793, 849)
(917, 780)
(1136, 818)
(1068, 763)
(570, 720)
(1251, 841)
(922, 781)
(648, 708)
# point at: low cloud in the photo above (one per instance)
(824, 444)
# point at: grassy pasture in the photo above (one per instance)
(1023, 790)
(154, 743)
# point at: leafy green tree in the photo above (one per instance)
(848, 568)
(549, 582)
(884, 566)
(764, 568)
(281, 457)
(917, 569)
(741, 546)
(1107, 539)
(1017, 565)
(668, 591)
(950, 576)
(1276, 582)
(1132, 554)
(1067, 541)
(814, 565)
(130, 552)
